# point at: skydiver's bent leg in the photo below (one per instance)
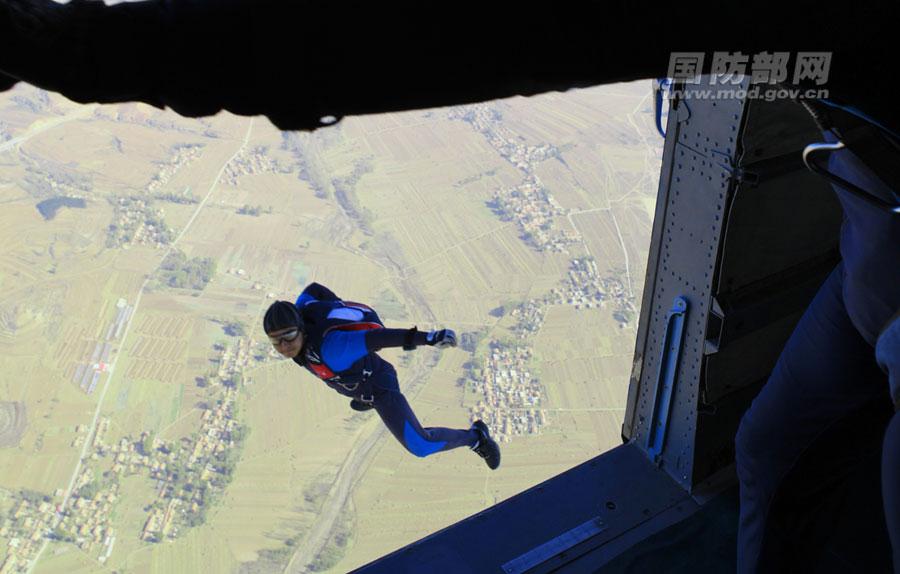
(826, 372)
(399, 418)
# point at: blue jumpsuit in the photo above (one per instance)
(828, 370)
(365, 376)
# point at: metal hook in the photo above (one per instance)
(660, 87)
(826, 147)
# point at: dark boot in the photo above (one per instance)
(486, 447)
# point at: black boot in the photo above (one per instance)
(486, 447)
(358, 405)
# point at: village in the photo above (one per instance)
(188, 474)
(510, 391)
(25, 527)
(251, 162)
(511, 394)
(182, 155)
(529, 204)
(532, 207)
(136, 222)
(584, 288)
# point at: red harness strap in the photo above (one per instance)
(322, 371)
(361, 326)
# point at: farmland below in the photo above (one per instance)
(146, 424)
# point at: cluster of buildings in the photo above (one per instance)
(251, 162)
(190, 472)
(529, 318)
(136, 222)
(533, 208)
(81, 519)
(183, 154)
(85, 518)
(161, 522)
(511, 392)
(24, 528)
(511, 401)
(623, 306)
(584, 288)
(232, 362)
(488, 122)
(187, 473)
(529, 203)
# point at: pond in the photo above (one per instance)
(49, 207)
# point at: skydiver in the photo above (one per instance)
(337, 341)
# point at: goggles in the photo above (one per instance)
(285, 337)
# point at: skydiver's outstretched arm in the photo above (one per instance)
(409, 338)
(343, 348)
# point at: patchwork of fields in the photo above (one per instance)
(523, 224)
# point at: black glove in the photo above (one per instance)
(441, 339)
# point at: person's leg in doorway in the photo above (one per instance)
(887, 351)
(825, 372)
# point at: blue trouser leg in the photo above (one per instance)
(890, 484)
(825, 372)
(399, 418)
(888, 353)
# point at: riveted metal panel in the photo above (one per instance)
(779, 244)
(701, 149)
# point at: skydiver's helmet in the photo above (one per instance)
(281, 315)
